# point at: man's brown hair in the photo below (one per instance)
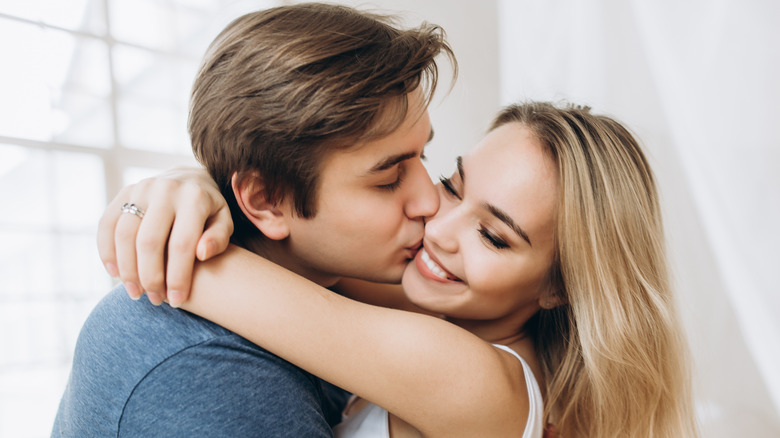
(279, 89)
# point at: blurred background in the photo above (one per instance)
(93, 96)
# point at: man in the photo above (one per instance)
(311, 120)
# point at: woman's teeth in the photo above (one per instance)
(432, 266)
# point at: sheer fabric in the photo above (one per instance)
(697, 82)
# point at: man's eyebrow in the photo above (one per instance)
(505, 218)
(394, 159)
(390, 162)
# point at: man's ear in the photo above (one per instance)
(251, 197)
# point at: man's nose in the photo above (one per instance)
(423, 200)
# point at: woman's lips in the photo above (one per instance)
(431, 269)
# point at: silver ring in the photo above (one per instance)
(132, 209)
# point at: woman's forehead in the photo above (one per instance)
(511, 169)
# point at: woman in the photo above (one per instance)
(545, 267)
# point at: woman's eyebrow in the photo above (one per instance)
(495, 211)
(505, 218)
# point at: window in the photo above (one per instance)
(94, 96)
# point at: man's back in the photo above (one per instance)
(141, 370)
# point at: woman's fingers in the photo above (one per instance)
(139, 237)
(191, 217)
(124, 242)
(154, 249)
(106, 230)
(183, 250)
(150, 243)
(117, 230)
(216, 237)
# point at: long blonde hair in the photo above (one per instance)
(614, 355)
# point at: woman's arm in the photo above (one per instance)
(434, 375)
(379, 294)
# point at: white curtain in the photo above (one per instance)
(699, 82)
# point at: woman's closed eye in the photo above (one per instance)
(449, 187)
(492, 239)
(487, 236)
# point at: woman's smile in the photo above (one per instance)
(429, 268)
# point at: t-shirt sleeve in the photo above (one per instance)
(225, 387)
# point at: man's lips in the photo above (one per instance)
(413, 249)
(430, 268)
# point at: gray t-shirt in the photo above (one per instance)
(143, 371)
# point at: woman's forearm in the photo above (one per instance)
(378, 294)
(375, 352)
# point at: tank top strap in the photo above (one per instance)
(533, 428)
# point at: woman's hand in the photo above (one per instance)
(182, 212)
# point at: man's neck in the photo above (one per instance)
(277, 251)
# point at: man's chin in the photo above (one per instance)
(391, 275)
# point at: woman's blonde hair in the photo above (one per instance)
(614, 354)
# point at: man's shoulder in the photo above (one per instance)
(131, 356)
(119, 320)
(137, 336)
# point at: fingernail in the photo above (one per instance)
(133, 290)
(112, 270)
(174, 298)
(155, 298)
(206, 249)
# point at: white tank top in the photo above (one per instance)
(372, 421)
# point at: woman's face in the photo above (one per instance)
(488, 249)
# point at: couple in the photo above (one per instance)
(540, 275)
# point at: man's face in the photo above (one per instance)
(371, 205)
